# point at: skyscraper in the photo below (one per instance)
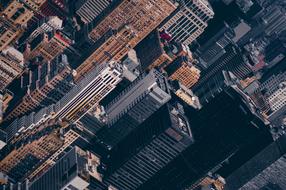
(133, 106)
(230, 136)
(71, 107)
(157, 156)
(212, 78)
(275, 51)
(142, 95)
(189, 20)
(88, 92)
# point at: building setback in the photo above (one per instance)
(181, 69)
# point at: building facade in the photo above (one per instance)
(170, 137)
(273, 86)
(72, 106)
(8, 33)
(11, 66)
(274, 20)
(88, 10)
(43, 87)
(189, 20)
